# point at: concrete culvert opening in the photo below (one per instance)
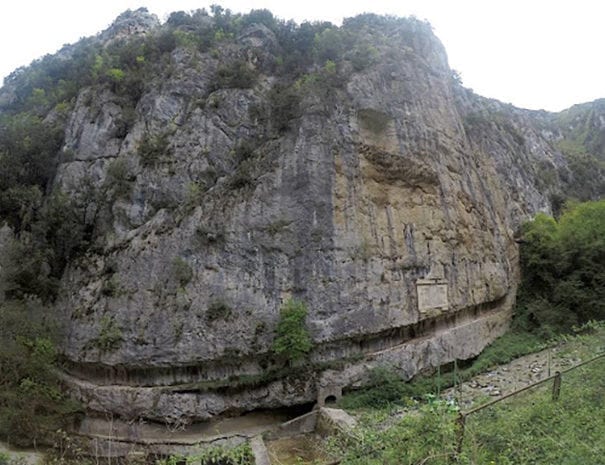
(330, 400)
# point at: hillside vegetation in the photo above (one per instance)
(527, 428)
(563, 270)
(48, 227)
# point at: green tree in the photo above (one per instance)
(293, 341)
(32, 404)
(563, 269)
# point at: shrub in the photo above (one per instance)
(293, 340)
(32, 404)
(181, 271)
(153, 148)
(384, 388)
(244, 150)
(239, 455)
(284, 103)
(193, 195)
(236, 75)
(363, 56)
(110, 287)
(119, 178)
(218, 309)
(110, 335)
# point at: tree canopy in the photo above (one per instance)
(563, 269)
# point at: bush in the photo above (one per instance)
(284, 103)
(293, 340)
(55, 234)
(32, 404)
(119, 178)
(236, 75)
(239, 455)
(384, 388)
(218, 309)
(153, 148)
(181, 271)
(110, 335)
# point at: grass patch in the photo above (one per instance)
(531, 428)
(526, 428)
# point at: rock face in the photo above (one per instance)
(387, 201)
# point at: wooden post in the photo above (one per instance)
(439, 380)
(460, 423)
(556, 386)
(455, 376)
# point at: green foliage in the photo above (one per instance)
(385, 388)
(526, 428)
(330, 44)
(110, 335)
(363, 56)
(244, 150)
(239, 455)
(563, 270)
(531, 428)
(243, 176)
(218, 309)
(587, 171)
(581, 127)
(28, 150)
(153, 149)
(262, 16)
(32, 404)
(53, 235)
(119, 178)
(181, 271)
(237, 75)
(115, 75)
(194, 195)
(284, 104)
(293, 341)
(517, 430)
(425, 436)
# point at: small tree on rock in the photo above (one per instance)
(293, 341)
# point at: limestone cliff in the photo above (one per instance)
(368, 184)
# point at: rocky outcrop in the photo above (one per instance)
(385, 197)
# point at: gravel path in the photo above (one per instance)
(509, 377)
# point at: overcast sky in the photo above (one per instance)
(532, 53)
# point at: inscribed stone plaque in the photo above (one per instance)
(432, 295)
